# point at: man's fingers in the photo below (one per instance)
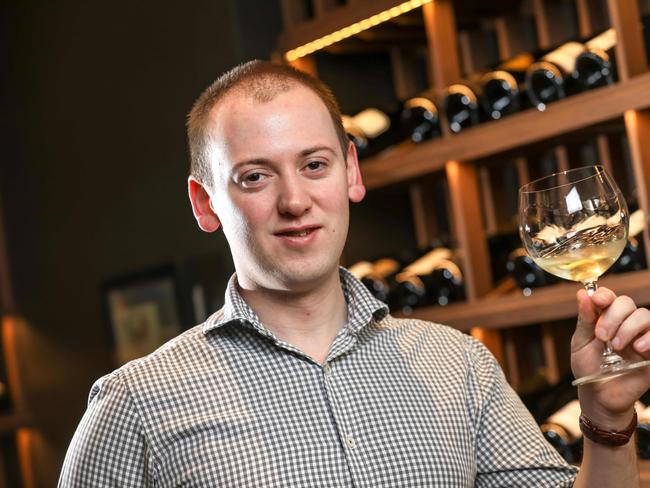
(589, 309)
(613, 316)
(636, 324)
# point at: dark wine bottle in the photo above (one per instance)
(462, 104)
(552, 77)
(419, 119)
(375, 276)
(380, 130)
(356, 135)
(504, 90)
(526, 273)
(596, 65)
(432, 279)
(562, 431)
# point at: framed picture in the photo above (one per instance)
(144, 312)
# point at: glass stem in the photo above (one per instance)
(609, 356)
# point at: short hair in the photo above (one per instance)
(262, 80)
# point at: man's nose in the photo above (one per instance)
(294, 198)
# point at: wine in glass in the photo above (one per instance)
(574, 224)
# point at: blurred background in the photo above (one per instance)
(100, 257)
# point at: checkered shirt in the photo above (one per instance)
(397, 403)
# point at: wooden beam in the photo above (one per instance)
(630, 49)
(7, 300)
(424, 216)
(605, 153)
(404, 77)
(637, 126)
(440, 26)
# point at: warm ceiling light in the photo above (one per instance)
(353, 29)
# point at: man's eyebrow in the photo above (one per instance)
(265, 162)
(313, 149)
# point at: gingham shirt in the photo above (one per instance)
(397, 403)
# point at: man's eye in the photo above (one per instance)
(314, 165)
(253, 177)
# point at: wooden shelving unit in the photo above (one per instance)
(460, 158)
(528, 127)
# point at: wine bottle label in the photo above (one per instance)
(500, 75)
(568, 417)
(361, 269)
(565, 56)
(425, 103)
(372, 122)
(463, 90)
(637, 223)
(451, 267)
(427, 263)
(385, 267)
(604, 41)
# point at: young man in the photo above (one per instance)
(303, 378)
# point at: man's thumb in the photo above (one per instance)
(587, 317)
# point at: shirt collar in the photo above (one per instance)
(363, 307)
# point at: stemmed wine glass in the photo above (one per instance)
(574, 224)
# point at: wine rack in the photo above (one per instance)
(493, 310)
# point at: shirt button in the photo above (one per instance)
(327, 369)
(350, 442)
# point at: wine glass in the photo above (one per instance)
(574, 224)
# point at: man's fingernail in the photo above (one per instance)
(616, 342)
(641, 344)
(602, 334)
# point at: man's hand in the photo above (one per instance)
(600, 317)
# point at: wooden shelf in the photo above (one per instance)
(543, 305)
(330, 21)
(574, 113)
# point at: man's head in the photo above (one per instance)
(262, 80)
(273, 167)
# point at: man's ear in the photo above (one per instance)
(356, 190)
(202, 206)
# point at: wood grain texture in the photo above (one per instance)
(630, 50)
(637, 126)
(511, 132)
(440, 26)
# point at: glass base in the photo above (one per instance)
(609, 371)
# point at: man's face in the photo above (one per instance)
(281, 188)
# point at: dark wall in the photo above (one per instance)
(93, 169)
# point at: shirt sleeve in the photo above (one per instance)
(510, 448)
(108, 447)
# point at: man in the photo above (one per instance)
(304, 379)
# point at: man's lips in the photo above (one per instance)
(301, 231)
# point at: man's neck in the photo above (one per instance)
(308, 320)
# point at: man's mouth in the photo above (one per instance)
(304, 232)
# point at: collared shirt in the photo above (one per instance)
(397, 403)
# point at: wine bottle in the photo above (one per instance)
(375, 276)
(633, 257)
(381, 130)
(419, 119)
(432, 279)
(462, 105)
(356, 135)
(526, 272)
(596, 65)
(562, 431)
(503, 89)
(552, 77)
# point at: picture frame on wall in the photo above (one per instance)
(144, 311)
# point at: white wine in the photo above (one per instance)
(585, 255)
